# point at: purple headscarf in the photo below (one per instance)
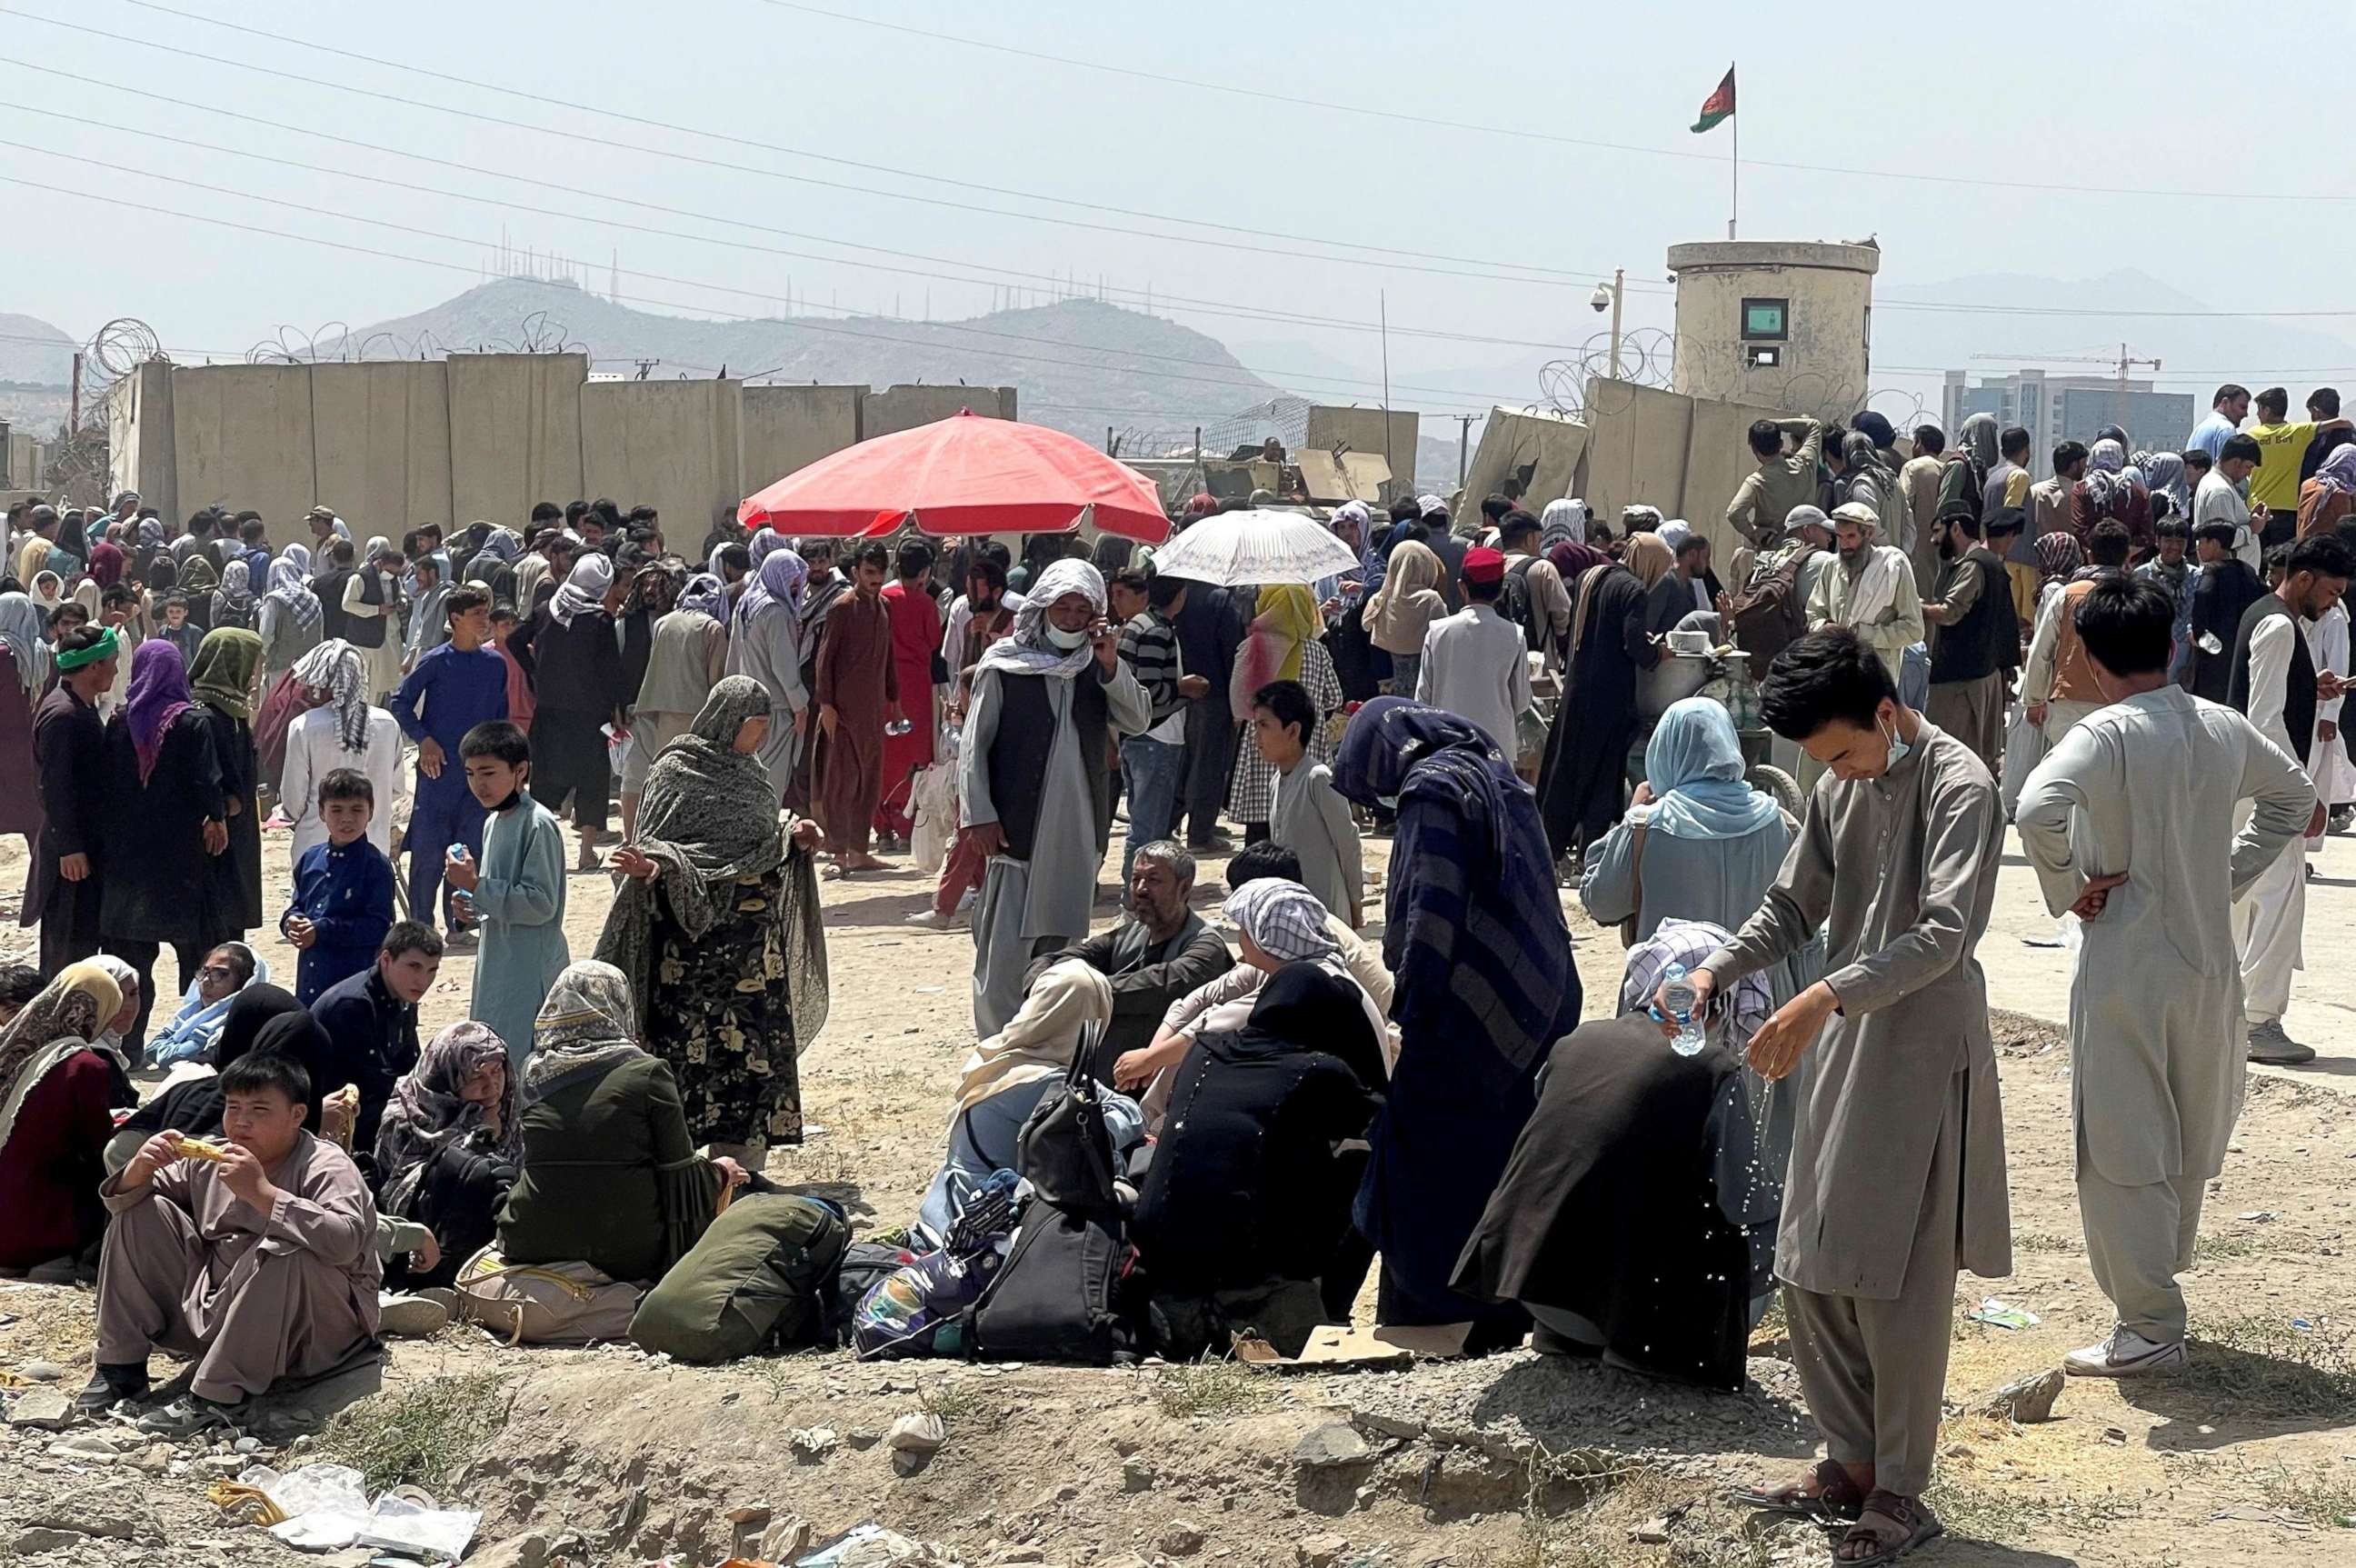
(778, 581)
(158, 696)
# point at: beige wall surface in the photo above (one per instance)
(1554, 446)
(787, 428)
(1683, 455)
(241, 436)
(381, 440)
(1361, 430)
(904, 408)
(672, 445)
(515, 433)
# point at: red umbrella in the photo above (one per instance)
(960, 475)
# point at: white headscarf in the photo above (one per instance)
(1026, 650)
(25, 630)
(1284, 919)
(585, 589)
(1563, 518)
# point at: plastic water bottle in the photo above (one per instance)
(1678, 995)
(458, 852)
(898, 727)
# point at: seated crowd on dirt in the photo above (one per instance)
(1157, 1143)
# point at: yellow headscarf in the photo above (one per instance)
(1289, 611)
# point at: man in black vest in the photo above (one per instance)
(1043, 707)
(2276, 686)
(1978, 636)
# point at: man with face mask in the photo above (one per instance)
(858, 690)
(1897, 1174)
(1044, 704)
(2275, 683)
(2120, 821)
(1978, 638)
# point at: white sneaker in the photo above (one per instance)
(2126, 1354)
(932, 919)
(411, 1317)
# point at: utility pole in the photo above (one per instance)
(73, 418)
(1384, 300)
(1619, 292)
(1463, 444)
(2119, 411)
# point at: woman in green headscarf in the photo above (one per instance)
(222, 681)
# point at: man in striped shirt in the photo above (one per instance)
(1154, 764)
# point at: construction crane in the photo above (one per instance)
(2123, 362)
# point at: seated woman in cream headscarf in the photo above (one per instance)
(57, 1089)
(1007, 1075)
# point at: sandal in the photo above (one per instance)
(1920, 1525)
(1835, 1499)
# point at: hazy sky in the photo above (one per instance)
(2069, 99)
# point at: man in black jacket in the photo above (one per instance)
(1978, 638)
(1159, 954)
(370, 1021)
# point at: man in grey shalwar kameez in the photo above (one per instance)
(2124, 821)
(1042, 706)
(1897, 1175)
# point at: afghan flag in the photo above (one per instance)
(1719, 106)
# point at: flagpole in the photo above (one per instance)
(1734, 168)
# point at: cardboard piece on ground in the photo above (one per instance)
(1369, 1347)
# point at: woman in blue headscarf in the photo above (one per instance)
(1484, 984)
(1697, 843)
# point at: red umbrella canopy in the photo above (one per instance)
(959, 475)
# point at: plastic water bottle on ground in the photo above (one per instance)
(1678, 995)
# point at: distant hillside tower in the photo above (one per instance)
(1776, 324)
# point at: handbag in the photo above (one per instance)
(544, 1304)
(1065, 1150)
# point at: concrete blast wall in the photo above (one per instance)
(672, 445)
(1552, 449)
(788, 428)
(392, 445)
(380, 443)
(1683, 455)
(1361, 430)
(241, 436)
(904, 408)
(515, 434)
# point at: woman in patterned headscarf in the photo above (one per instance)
(291, 620)
(232, 602)
(57, 1087)
(449, 1144)
(716, 928)
(769, 642)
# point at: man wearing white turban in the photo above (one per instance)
(1043, 704)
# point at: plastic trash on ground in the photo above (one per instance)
(327, 1509)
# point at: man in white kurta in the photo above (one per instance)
(2121, 821)
(2270, 916)
(1032, 770)
(1475, 661)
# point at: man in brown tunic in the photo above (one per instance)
(1897, 1175)
(857, 694)
(261, 1261)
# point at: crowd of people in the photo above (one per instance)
(1382, 1066)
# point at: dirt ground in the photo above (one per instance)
(1512, 1460)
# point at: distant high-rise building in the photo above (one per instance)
(2054, 409)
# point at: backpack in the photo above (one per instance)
(1516, 604)
(761, 1275)
(1061, 1294)
(1767, 613)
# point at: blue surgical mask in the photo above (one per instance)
(1898, 750)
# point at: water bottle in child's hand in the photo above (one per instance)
(458, 854)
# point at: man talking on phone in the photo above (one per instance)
(1044, 706)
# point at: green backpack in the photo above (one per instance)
(762, 1276)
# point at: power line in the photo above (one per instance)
(1552, 277)
(1255, 387)
(1199, 84)
(1214, 307)
(747, 292)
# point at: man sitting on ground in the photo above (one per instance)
(1163, 951)
(259, 1263)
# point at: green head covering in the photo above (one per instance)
(222, 676)
(108, 645)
